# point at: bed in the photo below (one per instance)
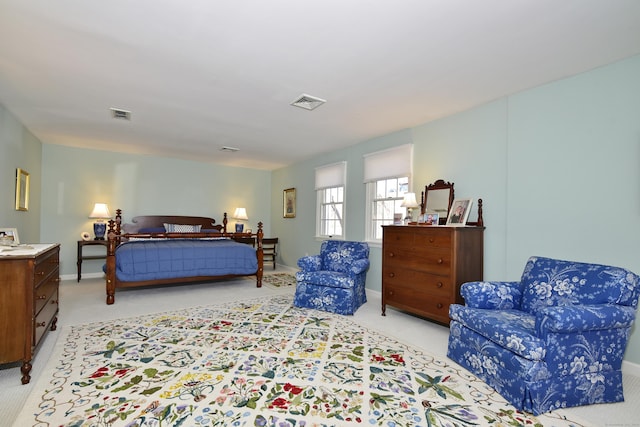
(170, 249)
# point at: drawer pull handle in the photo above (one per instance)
(440, 261)
(439, 305)
(40, 273)
(41, 325)
(41, 297)
(439, 284)
(392, 274)
(390, 292)
(54, 301)
(431, 240)
(391, 254)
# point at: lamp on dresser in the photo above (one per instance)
(241, 215)
(409, 202)
(100, 213)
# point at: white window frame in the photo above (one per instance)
(393, 163)
(330, 179)
(374, 222)
(329, 213)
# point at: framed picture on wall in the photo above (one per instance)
(459, 212)
(289, 203)
(22, 190)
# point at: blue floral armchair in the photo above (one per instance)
(334, 280)
(554, 339)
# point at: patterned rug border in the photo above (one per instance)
(267, 279)
(48, 382)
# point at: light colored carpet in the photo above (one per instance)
(258, 362)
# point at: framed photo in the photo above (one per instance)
(22, 190)
(9, 237)
(459, 212)
(289, 203)
(431, 218)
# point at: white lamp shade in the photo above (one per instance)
(240, 213)
(100, 211)
(409, 201)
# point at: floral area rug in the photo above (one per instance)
(260, 362)
(279, 280)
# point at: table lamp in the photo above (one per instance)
(100, 213)
(241, 215)
(409, 202)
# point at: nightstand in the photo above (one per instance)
(82, 244)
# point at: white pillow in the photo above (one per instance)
(182, 228)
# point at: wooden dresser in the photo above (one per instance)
(29, 279)
(424, 266)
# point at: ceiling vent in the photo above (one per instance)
(118, 113)
(308, 102)
(229, 149)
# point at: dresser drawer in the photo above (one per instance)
(420, 281)
(407, 238)
(434, 238)
(45, 267)
(45, 291)
(45, 316)
(419, 301)
(435, 260)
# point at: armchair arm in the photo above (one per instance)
(310, 263)
(492, 295)
(580, 318)
(359, 266)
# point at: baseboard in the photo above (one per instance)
(630, 368)
(84, 276)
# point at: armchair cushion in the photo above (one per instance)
(511, 329)
(555, 339)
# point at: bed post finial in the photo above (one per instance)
(260, 254)
(224, 223)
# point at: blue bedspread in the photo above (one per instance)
(169, 259)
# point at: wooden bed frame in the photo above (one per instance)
(119, 233)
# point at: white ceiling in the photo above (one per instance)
(202, 74)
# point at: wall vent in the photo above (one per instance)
(229, 149)
(308, 102)
(118, 113)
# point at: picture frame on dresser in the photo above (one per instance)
(9, 235)
(459, 212)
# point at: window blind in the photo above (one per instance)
(333, 175)
(392, 163)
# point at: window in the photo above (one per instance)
(387, 176)
(331, 203)
(384, 198)
(330, 187)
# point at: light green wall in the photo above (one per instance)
(557, 167)
(19, 149)
(74, 179)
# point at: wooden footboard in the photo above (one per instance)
(149, 222)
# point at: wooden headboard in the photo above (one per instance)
(158, 221)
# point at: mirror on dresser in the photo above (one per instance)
(438, 197)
